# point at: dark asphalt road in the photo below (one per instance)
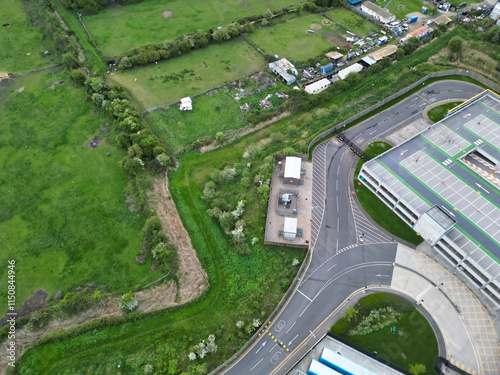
(340, 264)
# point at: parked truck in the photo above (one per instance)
(412, 19)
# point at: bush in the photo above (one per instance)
(129, 301)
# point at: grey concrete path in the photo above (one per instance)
(470, 337)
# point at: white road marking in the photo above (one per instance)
(338, 228)
(272, 348)
(257, 364)
(337, 203)
(334, 264)
(337, 185)
(291, 341)
(304, 295)
(338, 170)
(290, 328)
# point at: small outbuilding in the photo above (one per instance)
(389, 51)
(292, 170)
(318, 86)
(186, 104)
(354, 68)
(334, 56)
(368, 61)
(441, 20)
(290, 228)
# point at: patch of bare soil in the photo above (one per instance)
(315, 26)
(94, 143)
(21, 89)
(193, 279)
(333, 38)
(326, 22)
(34, 303)
(167, 14)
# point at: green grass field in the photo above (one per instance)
(410, 6)
(119, 29)
(291, 40)
(352, 21)
(20, 39)
(64, 218)
(413, 342)
(438, 113)
(200, 70)
(178, 128)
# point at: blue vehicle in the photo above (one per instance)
(412, 19)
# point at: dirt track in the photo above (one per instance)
(193, 281)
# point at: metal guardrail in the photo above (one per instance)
(493, 86)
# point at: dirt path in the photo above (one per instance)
(193, 281)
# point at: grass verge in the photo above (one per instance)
(413, 342)
(375, 208)
(438, 113)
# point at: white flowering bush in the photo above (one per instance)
(251, 150)
(238, 234)
(211, 347)
(211, 338)
(256, 323)
(192, 356)
(375, 321)
(240, 324)
(255, 240)
(201, 349)
(240, 208)
(129, 301)
(295, 262)
(148, 369)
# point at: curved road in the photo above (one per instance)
(342, 262)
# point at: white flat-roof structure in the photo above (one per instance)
(342, 364)
(292, 170)
(443, 183)
(318, 86)
(335, 55)
(377, 12)
(354, 68)
(290, 228)
(186, 104)
(383, 52)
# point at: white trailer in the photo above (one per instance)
(354, 68)
(317, 368)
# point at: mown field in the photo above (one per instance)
(406, 6)
(19, 40)
(413, 342)
(291, 40)
(352, 21)
(200, 70)
(64, 218)
(121, 28)
(178, 128)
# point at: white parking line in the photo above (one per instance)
(257, 364)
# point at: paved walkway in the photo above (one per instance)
(471, 339)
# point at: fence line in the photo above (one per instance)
(493, 86)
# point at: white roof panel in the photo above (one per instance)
(290, 225)
(292, 167)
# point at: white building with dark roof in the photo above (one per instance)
(377, 12)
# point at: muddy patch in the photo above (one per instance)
(93, 144)
(21, 89)
(167, 14)
(326, 22)
(332, 38)
(34, 303)
(54, 83)
(315, 26)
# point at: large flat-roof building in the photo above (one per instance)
(445, 184)
(377, 12)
